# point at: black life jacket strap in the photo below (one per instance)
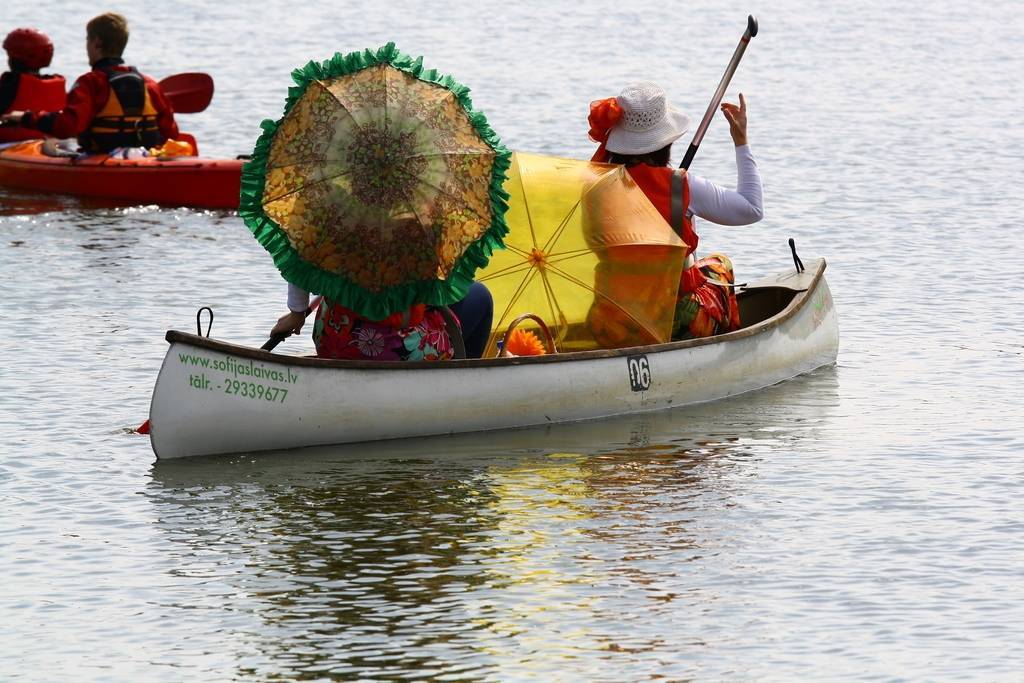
(126, 123)
(129, 87)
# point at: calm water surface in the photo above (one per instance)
(860, 523)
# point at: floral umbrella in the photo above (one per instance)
(380, 187)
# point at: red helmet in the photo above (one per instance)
(30, 47)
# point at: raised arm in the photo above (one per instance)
(745, 204)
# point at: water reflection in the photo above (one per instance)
(18, 203)
(463, 555)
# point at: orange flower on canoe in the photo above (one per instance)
(524, 343)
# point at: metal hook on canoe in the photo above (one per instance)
(199, 321)
(796, 259)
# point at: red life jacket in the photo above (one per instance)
(36, 93)
(669, 191)
(127, 119)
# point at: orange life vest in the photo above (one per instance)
(35, 93)
(669, 191)
(635, 290)
(127, 119)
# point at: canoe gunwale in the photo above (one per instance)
(801, 298)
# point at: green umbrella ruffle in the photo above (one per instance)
(294, 269)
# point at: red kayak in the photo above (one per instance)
(179, 181)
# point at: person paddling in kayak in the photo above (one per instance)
(23, 87)
(113, 105)
(637, 129)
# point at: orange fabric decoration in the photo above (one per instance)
(416, 315)
(604, 115)
(524, 343)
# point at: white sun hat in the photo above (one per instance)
(648, 123)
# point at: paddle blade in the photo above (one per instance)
(143, 428)
(188, 93)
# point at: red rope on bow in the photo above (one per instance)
(604, 115)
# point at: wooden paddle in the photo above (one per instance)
(720, 91)
(189, 92)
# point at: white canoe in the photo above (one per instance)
(215, 397)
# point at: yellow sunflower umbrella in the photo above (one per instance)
(380, 187)
(587, 252)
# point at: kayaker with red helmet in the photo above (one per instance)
(23, 87)
(111, 106)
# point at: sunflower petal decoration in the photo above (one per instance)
(380, 186)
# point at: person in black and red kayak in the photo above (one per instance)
(113, 105)
(23, 87)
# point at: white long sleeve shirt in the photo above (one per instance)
(714, 203)
(741, 206)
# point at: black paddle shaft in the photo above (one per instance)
(720, 92)
(274, 340)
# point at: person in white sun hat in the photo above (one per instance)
(637, 129)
